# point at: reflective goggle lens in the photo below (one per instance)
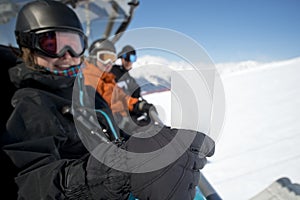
(106, 57)
(56, 43)
(129, 57)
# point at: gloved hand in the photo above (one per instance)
(143, 107)
(105, 182)
(176, 180)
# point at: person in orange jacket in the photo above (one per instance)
(102, 54)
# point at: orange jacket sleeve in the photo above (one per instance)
(106, 86)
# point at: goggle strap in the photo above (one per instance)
(24, 39)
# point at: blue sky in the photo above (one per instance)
(229, 30)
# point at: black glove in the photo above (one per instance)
(143, 107)
(105, 182)
(177, 180)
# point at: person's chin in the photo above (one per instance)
(108, 68)
(62, 67)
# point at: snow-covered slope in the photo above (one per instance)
(260, 141)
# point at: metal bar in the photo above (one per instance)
(207, 189)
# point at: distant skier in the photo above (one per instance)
(123, 78)
(128, 83)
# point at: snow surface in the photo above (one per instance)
(260, 139)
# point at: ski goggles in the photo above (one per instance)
(56, 43)
(106, 57)
(129, 57)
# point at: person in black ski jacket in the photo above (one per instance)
(129, 85)
(61, 137)
(123, 78)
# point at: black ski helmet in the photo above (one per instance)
(128, 49)
(101, 44)
(44, 15)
